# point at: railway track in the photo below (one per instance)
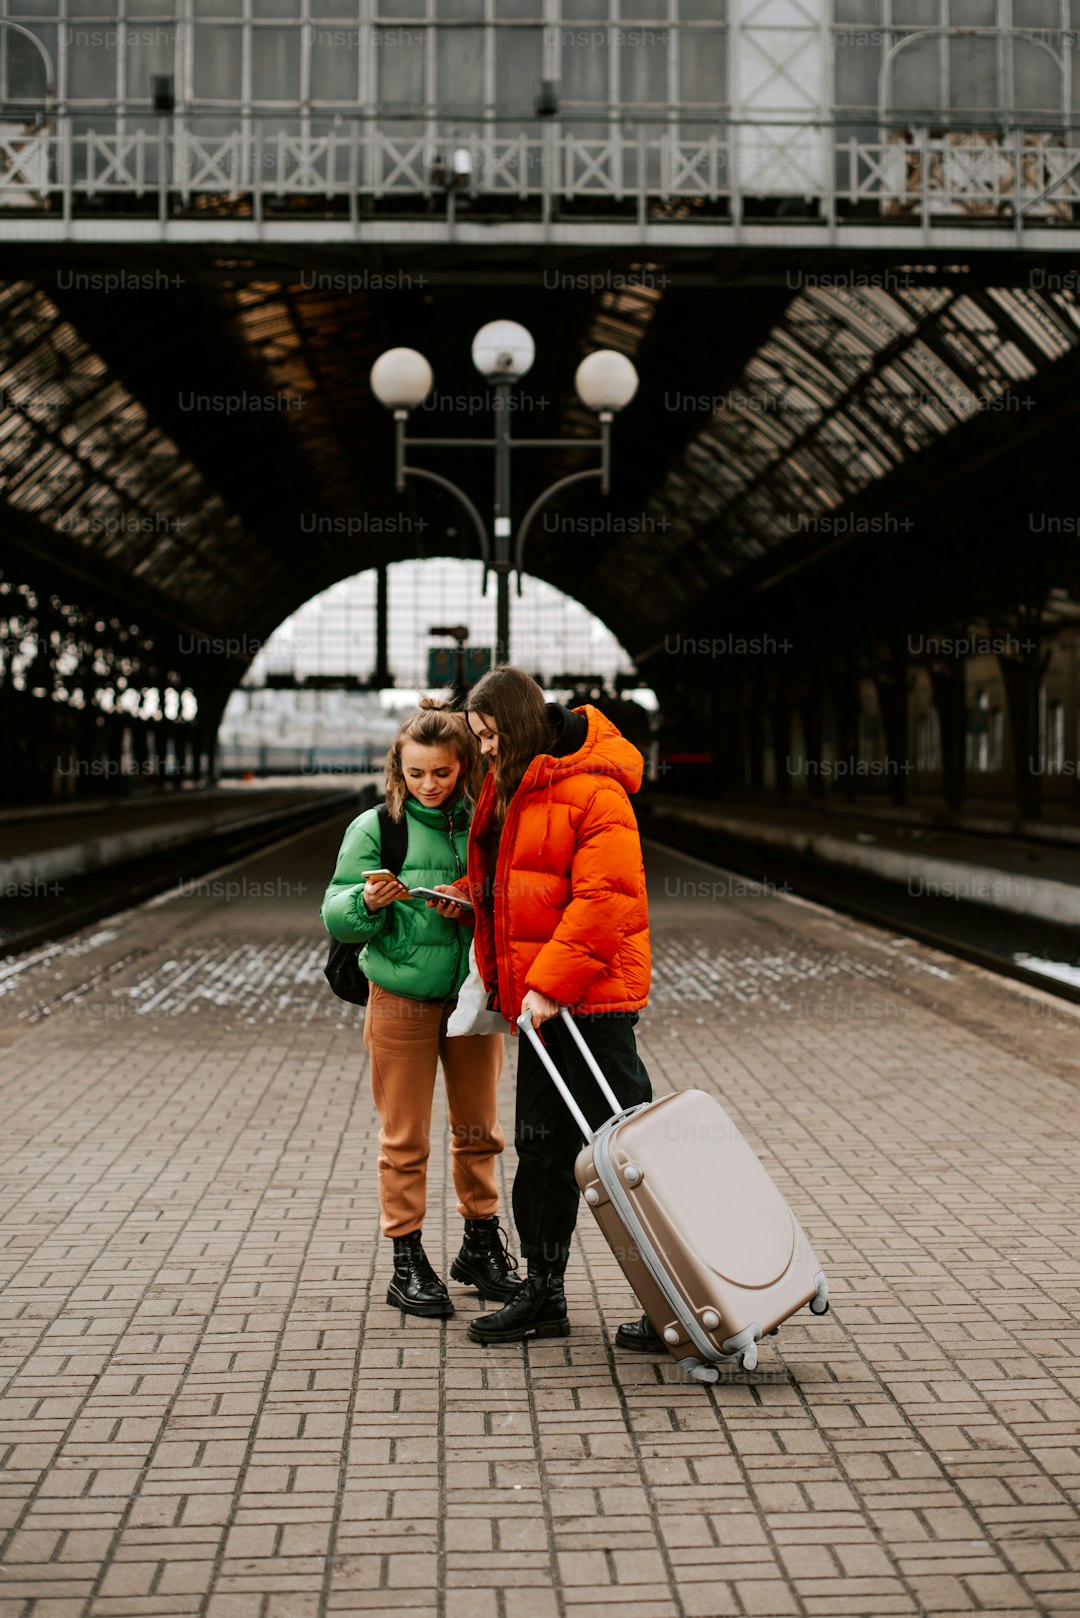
(86, 899)
(987, 937)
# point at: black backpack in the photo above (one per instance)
(342, 969)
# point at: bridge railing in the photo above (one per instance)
(965, 175)
(913, 176)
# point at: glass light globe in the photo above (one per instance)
(606, 380)
(503, 349)
(401, 379)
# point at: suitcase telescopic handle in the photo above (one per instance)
(525, 1023)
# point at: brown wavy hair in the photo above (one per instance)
(434, 724)
(516, 703)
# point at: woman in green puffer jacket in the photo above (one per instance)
(415, 961)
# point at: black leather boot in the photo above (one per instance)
(485, 1261)
(415, 1286)
(537, 1309)
(640, 1336)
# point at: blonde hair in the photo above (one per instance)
(434, 724)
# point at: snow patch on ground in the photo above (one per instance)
(696, 969)
(1063, 971)
(260, 982)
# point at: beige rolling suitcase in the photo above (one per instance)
(702, 1234)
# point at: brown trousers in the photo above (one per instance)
(405, 1040)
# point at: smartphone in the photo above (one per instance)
(430, 893)
(381, 875)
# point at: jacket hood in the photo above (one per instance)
(603, 751)
(571, 729)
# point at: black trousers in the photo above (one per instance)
(547, 1138)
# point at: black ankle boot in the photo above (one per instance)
(640, 1336)
(415, 1286)
(485, 1261)
(537, 1309)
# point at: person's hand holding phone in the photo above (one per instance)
(453, 912)
(382, 889)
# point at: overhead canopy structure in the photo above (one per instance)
(189, 446)
(850, 386)
(198, 458)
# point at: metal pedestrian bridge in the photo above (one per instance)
(751, 183)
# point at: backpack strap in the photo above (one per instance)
(393, 839)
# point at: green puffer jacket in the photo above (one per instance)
(408, 949)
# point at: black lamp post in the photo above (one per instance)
(502, 351)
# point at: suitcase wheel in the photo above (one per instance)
(748, 1357)
(819, 1306)
(819, 1303)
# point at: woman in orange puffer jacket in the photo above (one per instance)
(556, 877)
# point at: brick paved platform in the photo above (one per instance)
(207, 1407)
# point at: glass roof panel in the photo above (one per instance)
(81, 454)
(849, 384)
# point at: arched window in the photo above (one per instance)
(928, 742)
(1052, 737)
(996, 741)
(955, 64)
(977, 739)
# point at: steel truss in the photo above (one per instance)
(849, 387)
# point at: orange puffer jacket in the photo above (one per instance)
(567, 912)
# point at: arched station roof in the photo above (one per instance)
(763, 414)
